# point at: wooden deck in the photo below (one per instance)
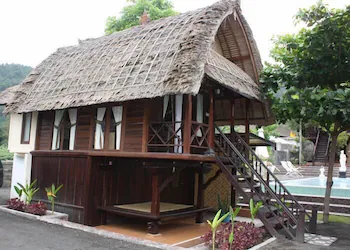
(120, 154)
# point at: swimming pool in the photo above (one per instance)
(317, 186)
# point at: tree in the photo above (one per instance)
(131, 14)
(310, 79)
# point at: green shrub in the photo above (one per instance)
(5, 154)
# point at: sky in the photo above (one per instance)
(30, 30)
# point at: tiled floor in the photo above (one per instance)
(319, 240)
(172, 232)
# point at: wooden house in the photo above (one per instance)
(127, 121)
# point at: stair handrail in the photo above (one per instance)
(267, 186)
(316, 142)
(328, 142)
(244, 194)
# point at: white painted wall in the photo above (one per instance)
(15, 132)
(22, 165)
(22, 160)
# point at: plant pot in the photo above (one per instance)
(227, 219)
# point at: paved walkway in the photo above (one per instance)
(20, 233)
(339, 230)
(4, 195)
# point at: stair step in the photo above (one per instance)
(268, 210)
(274, 221)
(256, 198)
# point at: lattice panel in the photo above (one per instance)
(220, 186)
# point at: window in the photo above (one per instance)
(108, 128)
(63, 137)
(116, 126)
(26, 123)
(100, 128)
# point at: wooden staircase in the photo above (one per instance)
(321, 147)
(281, 213)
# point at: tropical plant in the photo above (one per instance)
(254, 208)
(223, 205)
(233, 215)
(246, 236)
(19, 191)
(36, 208)
(16, 204)
(29, 191)
(279, 207)
(215, 224)
(52, 194)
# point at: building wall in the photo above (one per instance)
(22, 159)
(15, 133)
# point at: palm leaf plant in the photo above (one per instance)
(216, 223)
(19, 191)
(28, 190)
(233, 215)
(254, 208)
(51, 193)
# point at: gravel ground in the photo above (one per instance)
(20, 233)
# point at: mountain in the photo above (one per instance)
(12, 74)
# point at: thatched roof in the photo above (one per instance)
(166, 56)
(7, 95)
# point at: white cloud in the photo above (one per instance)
(32, 30)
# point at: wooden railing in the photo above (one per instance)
(290, 214)
(199, 137)
(169, 137)
(165, 137)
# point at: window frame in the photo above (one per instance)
(24, 118)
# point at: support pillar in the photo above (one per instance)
(153, 226)
(247, 121)
(188, 125)
(211, 120)
(234, 170)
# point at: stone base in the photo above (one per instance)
(342, 174)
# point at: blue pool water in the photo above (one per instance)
(317, 186)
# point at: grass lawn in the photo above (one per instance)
(335, 218)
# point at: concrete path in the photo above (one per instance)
(4, 195)
(20, 233)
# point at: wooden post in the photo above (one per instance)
(153, 226)
(211, 119)
(234, 170)
(300, 231)
(145, 127)
(155, 206)
(247, 121)
(313, 220)
(187, 126)
(92, 128)
(200, 196)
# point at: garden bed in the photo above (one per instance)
(48, 215)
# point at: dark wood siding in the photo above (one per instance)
(85, 128)
(133, 126)
(71, 171)
(45, 127)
